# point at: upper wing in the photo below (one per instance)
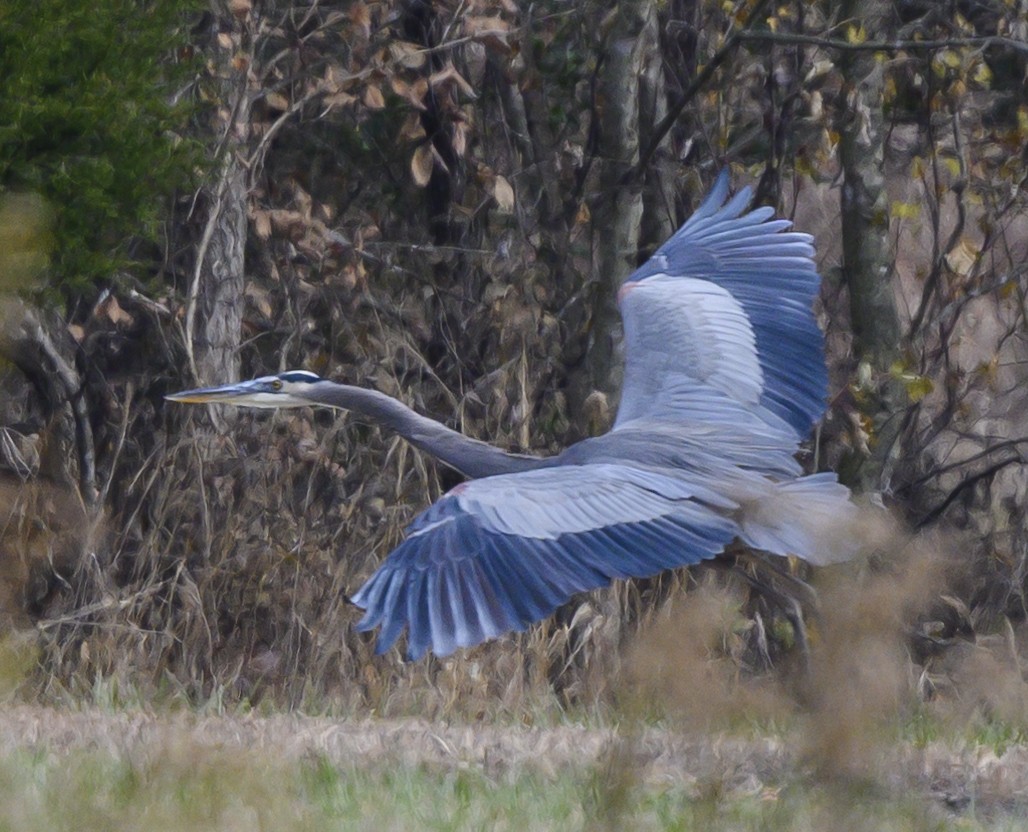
(496, 554)
(718, 323)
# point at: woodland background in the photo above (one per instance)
(439, 199)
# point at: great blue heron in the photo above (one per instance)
(725, 375)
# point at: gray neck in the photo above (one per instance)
(471, 457)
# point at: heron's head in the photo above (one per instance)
(272, 392)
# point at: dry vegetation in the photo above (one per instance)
(423, 199)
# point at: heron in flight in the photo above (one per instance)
(725, 376)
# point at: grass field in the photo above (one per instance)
(98, 769)
(680, 740)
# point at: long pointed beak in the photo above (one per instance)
(205, 395)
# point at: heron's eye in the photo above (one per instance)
(276, 385)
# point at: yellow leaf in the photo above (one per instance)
(918, 387)
(905, 210)
(421, 165)
(856, 34)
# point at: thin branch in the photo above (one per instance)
(22, 326)
(690, 92)
(952, 466)
(791, 39)
(989, 472)
(201, 257)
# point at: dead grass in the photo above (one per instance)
(94, 769)
(675, 731)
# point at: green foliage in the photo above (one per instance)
(86, 120)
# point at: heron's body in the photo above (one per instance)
(724, 377)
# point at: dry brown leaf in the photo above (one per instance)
(373, 98)
(277, 101)
(288, 223)
(460, 137)
(240, 8)
(225, 40)
(260, 298)
(447, 77)
(418, 91)
(421, 165)
(491, 32)
(480, 25)
(962, 257)
(111, 309)
(414, 93)
(339, 99)
(503, 193)
(262, 224)
(409, 55)
(77, 332)
(360, 17)
(412, 129)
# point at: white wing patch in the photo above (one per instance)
(685, 329)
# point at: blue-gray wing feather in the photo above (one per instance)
(770, 274)
(499, 553)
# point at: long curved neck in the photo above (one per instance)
(471, 457)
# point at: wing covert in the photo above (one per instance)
(497, 554)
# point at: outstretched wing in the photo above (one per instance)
(719, 327)
(497, 554)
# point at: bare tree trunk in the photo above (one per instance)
(867, 255)
(215, 308)
(26, 341)
(619, 210)
(658, 221)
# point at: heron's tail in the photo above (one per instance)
(810, 517)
